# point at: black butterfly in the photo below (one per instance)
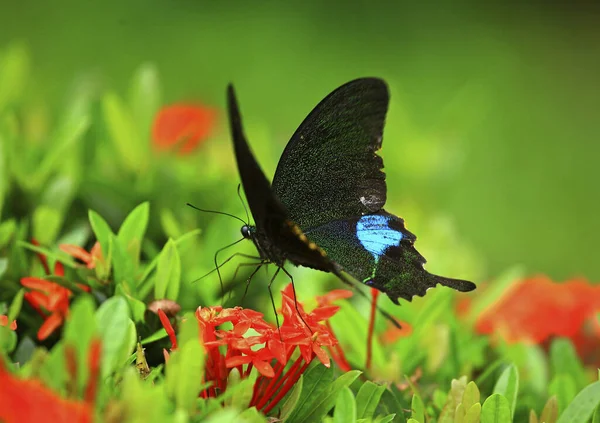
(324, 209)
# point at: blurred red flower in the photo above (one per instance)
(265, 347)
(537, 309)
(28, 400)
(49, 299)
(182, 125)
(4, 322)
(89, 258)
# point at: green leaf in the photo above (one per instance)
(8, 339)
(123, 133)
(184, 372)
(292, 400)
(596, 418)
(114, 323)
(242, 390)
(496, 409)
(79, 330)
(565, 389)
(390, 404)
(16, 304)
(322, 404)
(550, 411)
(137, 307)
(123, 267)
(473, 414)
(131, 233)
(564, 360)
(367, 399)
(471, 395)
(46, 224)
(418, 410)
(159, 334)
(104, 236)
(168, 273)
(345, 407)
(580, 410)
(316, 380)
(250, 415)
(508, 386)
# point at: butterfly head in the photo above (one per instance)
(247, 231)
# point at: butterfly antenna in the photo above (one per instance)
(215, 212)
(381, 311)
(227, 260)
(217, 266)
(242, 201)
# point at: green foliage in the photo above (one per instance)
(75, 176)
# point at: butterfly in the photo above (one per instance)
(324, 208)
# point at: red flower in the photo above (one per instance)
(23, 401)
(49, 299)
(4, 322)
(538, 308)
(267, 348)
(185, 125)
(90, 259)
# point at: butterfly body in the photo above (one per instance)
(324, 209)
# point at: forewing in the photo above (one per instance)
(259, 194)
(329, 169)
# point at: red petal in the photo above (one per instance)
(164, 320)
(321, 355)
(49, 326)
(237, 360)
(264, 368)
(182, 123)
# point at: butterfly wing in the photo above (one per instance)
(331, 181)
(277, 237)
(329, 169)
(259, 195)
(378, 250)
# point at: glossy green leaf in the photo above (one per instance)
(496, 409)
(471, 395)
(508, 386)
(345, 407)
(367, 399)
(114, 327)
(316, 379)
(8, 339)
(418, 409)
(123, 267)
(168, 273)
(131, 233)
(320, 405)
(581, 409)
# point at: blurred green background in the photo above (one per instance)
(493, 124)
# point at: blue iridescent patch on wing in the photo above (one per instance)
(375, 235)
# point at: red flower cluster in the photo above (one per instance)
(266, 348)
(49, 299)
(182, 125)
(23, 401)
(537, 309)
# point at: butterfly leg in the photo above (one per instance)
(296, 298)
(254, 272)
(217, 266)
(271, 295)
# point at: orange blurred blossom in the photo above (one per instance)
(182, 127)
